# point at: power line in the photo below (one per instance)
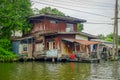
(97, 3)
(89, 3)
(70, 3)
(98, 23)
(102, 2)
(71, 9)
(94, 19)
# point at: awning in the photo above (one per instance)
(84, 42)
(110, 45)
(69, 40)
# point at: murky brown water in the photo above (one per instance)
(60, 71)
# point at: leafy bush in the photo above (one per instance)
(5, 44)
(6, 56)
(5, 51)
(109, 39)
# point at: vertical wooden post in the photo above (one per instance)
(75, 47)
(53, 59)
(27, 47)
(115, 33)
(98, 54)
(116, 21)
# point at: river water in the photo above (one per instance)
(60, 71)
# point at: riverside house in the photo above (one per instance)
(54, 36)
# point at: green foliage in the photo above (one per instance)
(13, 16)
(119, 40)
(6, 44)
(49, 10)
(109, 37)
(80, 27)
(6, 56)
(5, 51)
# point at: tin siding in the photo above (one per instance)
(15, 46)
(81, 37)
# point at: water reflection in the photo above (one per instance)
(59, 71)
(105, 71)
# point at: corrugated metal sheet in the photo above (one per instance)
(15, 46)
(64, 18)
(84, 42)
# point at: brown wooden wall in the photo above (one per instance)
(66, 36)
(60, 37)
(45, 25)
(58, 40)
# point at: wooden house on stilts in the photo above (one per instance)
(55, 37)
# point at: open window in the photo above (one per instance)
(50, 45)
(25, 47)
(69, 27)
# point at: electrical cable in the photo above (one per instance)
(72, 9)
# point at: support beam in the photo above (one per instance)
(115, 33)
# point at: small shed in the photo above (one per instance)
(23, 46)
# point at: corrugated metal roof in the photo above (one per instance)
(109, 45)
(80, 33)
(66, 18)
(84, 42)
(99, 40)
(21, 38)
(88, 35)
(104, 42)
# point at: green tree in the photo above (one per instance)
(109, 37)
(80, 27)
(49, 10)
(13, 16)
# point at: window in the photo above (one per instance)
(53, 21)
(25, 47)
(69, 27)
(51, 45)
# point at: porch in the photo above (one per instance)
(82, 49)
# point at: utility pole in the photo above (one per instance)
(115, 33)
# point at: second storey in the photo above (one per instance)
(52, 23)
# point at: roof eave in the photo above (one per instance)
(64, 18)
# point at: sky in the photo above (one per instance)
(98, 13)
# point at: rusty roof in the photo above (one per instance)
(84, 42)
(64, 18)
(80, 33)
(88, 35)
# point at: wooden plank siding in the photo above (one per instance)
(46, 25)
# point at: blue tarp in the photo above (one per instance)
(15, 46)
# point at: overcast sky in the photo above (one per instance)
(98, 13)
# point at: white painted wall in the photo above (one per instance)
(81, 37)
(17, 33)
